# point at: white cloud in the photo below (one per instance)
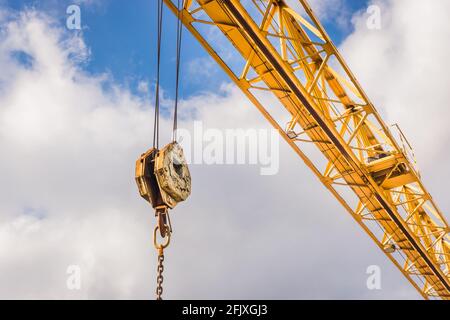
(201, 68)
(142, 87)
(68, 193)
(403, 68)
(326, 10)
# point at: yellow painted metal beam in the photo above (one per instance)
(291, 55)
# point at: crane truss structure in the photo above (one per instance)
(281, 57)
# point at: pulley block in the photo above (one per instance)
(163, 177)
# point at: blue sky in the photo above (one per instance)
(122, 40)
(50, 115)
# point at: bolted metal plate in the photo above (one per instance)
(146, 180)
(172, 174)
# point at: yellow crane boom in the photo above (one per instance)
(323, 113)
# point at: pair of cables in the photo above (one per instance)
(163, 216)
(158, 71)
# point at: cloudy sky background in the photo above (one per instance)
(71, 128)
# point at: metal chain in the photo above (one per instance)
(165, 231)
(160, 278)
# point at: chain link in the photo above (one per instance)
(165, 231)
(160, 278)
